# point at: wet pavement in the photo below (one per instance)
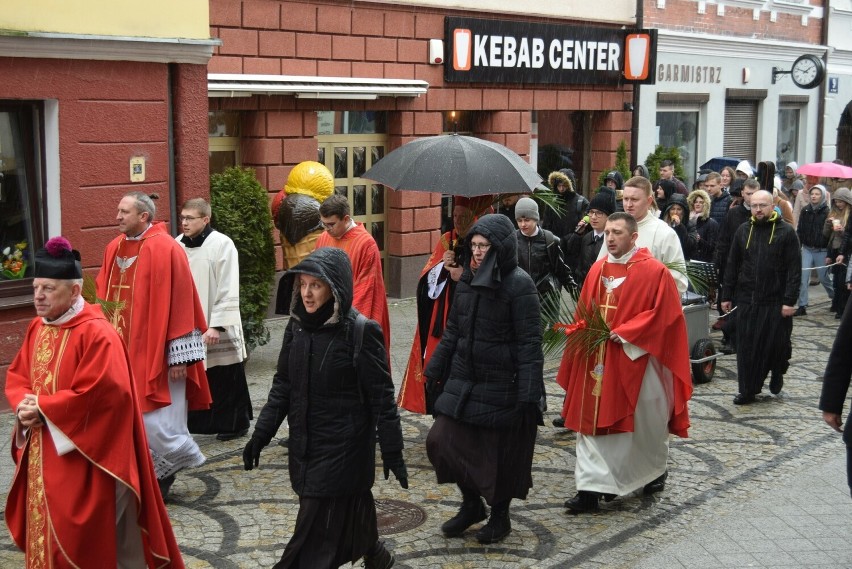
(754, 486)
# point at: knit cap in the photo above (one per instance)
(526, 207)
(603, 201)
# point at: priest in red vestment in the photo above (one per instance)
(626, 396)
(342, 232)
(160, 319)
(434, 298)
(84, 492)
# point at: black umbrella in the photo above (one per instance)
(716, 164)
(457, 165)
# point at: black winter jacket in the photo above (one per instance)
(736, 216)
(490, 357)
(333, 408)
(764, 265)
(811, 222)
(705, 246)
(540, 256)
(585, 249)
(719, 206)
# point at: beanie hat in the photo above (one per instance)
(603, 201)
(526, 207)
(58, 261)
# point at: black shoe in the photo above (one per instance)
(379, 557)
(498, 526)
(727, 348)
(838, 316)
(741, 399)
(165, 484)
(472, 511)
(800, 311)
(559, 422)
(656, 485)
(776, 382)
(584, 502)
(283, 442)
(232, 435)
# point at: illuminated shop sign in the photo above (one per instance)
(499, 51)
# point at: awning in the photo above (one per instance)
(239, 85)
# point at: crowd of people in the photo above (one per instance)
(107, 397)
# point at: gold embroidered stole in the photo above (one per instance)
(122, 279)
(49, 346)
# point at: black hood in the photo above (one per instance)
(328, 264)
(677, 199)
(502, 257)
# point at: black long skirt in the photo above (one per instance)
(231, 408)
(763, 345)
(331, 532)
(497, 463)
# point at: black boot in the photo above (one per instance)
(776, 382)
(165, 485)
(471, 512)
(378, 557)
(498, 525)
(658, 484)
(584, 502)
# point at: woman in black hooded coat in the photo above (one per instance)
(489, 363)
(337, 395)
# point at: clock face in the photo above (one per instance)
(808, 71)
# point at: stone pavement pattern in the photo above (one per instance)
(756, 486)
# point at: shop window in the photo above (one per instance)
(678, 128)
(458, 121)
(223, 132)
(21, 216)
(351, 122)
(787, 149)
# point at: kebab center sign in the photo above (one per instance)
(499, 51)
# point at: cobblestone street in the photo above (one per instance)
(761, 485)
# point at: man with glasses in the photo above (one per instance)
(159, 316)
(215, 268)
(762, 278)
(342, 232)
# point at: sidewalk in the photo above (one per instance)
(755, 486)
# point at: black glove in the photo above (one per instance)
(393, 462)
(251, 454)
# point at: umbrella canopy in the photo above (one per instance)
(716, 164)
(825, 170)
(456, 165)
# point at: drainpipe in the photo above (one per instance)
(173, 224)
(634, 126)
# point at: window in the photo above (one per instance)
(351, 122)
(787, 149)
(223, 132)
(678, 128)
(21, 217)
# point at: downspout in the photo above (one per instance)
(173, 224)
(822, 88)
(634, 122)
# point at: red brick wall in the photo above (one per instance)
(683, 15)
(345, 39)
(110, 111)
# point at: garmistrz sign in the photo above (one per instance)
(499, 51)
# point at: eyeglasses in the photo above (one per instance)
(329, 225)
(480, 246)
(188, 218)
(595, 213)
(760, 205)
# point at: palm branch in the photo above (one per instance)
(698, 275)
(90, 295)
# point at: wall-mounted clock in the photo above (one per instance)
(807, 72)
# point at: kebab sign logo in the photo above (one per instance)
(571, 55)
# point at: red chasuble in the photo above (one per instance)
(151, 276)
(412, 394)
(640, 302)
(368, 289)
(61, 509)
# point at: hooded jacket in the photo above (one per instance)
(708, 229)
(764, 264)
(490, 357)
(334, 406)
(573, 206)
(686, 232)
(835, 240)
(812, 220)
